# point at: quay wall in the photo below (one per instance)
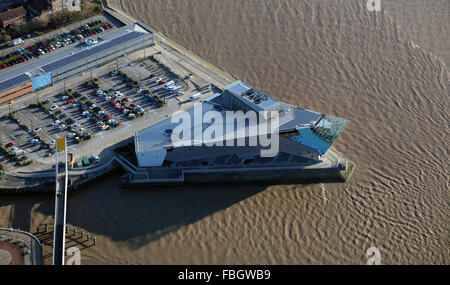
(236, 175)
(274, 175)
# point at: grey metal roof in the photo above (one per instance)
(11, 77)
(90, 51)
(239, 89)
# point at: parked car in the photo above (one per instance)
(54, 107)
(69, 121)
(10, 144)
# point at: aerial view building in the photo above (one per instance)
(13, 16)
(73, 61)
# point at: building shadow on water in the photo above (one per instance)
(137, 217)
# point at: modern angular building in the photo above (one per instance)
(63, 64)
(305, 136)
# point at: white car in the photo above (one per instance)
(114, 73)
(71, 135)
(37, 130)
(75, 126)
(141, 89)
(99, 92)
(81, 130)
(92, 106)
(74, 105)
(65, 97)
(125, 111)
(55, 123)
(62, 127)
(131, 115)
(158, 79)
(53, 142)
(54, 107)
(104, 127)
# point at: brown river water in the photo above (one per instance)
(385, 71)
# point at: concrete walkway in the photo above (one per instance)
(32, 251)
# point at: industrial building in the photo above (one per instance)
(72, 61)
(304, 135)
(13, 16)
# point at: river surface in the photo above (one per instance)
(385, 71)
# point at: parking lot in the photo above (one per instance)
(10, 131)
(95, 108)
(41, 123)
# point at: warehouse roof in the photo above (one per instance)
(27, 71)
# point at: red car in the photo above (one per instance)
(113, 103)
(4, 65)
(133, 105)
(10, 144)
(107, 116)
(70, 101)
(161, 82)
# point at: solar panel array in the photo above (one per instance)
(7, 84)
(91, 51)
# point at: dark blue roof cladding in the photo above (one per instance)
(91, 51)
(14, 81)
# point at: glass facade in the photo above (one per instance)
(322, 136)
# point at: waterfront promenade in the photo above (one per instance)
(18, 247)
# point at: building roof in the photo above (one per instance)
(40, 5)
(311, 129)
(156, 137)
(12, 14)
(23, 73)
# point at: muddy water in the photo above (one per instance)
(385, 71)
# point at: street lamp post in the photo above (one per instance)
(9, 106)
